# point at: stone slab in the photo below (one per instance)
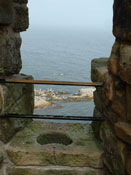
(121, 19)
(128, 163)
(21, 1)
(10, 57)
(84, 151)
(53, 171)
(18, 99)
(6, 12)
(21, 19)
(123, 131)
(98, 69)
(128, 102)
(114, 150)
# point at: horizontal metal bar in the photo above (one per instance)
(68, 83)
(52, 117)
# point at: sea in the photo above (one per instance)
(64, 55)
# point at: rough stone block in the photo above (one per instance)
(98, 101)
(53, 171)
(113, 61)
(96, 125)
(1, 157)
(10, 58)
(17, 99)
(28, 148)
(118, 103)
(128, 164)
(114, 151)
(6, 12)
(21, 19)
(128, 102)
(98, 69)
(125, 63)
(21, 1)
(123, 131)
(121, 19)
(99, 73)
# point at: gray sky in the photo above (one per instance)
(71, 13)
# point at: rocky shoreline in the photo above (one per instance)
(46, 98)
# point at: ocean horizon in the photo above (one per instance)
(64, 55)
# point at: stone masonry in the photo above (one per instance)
(13, 98)
(48, 148)
(113, 101)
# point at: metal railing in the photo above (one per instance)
(53, 117)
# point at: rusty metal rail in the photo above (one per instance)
(46, 82)
(52, 117)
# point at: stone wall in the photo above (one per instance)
(113, 101)
(13, 98)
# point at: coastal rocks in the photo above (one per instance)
(18, 99)
(41, 103)
(46, 98)
(82, 151)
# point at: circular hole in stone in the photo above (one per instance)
(54, 137)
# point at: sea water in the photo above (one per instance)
(64, 55)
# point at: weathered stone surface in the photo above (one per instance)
(128, 164)
(125, 63)
(121, 19)
(108, 89)
(114, 59)
(123, 131)
(98, 101)
(1, 101)
(16, 99)
(21, 19)
(128, 102)
(10, 58)
(114, 151)
(6, 12)
(118, 101)
(84, 151)
(98, 69)
(53, 171)
(1, 157)
(21, 1)
(96, 125)
(103, 95)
